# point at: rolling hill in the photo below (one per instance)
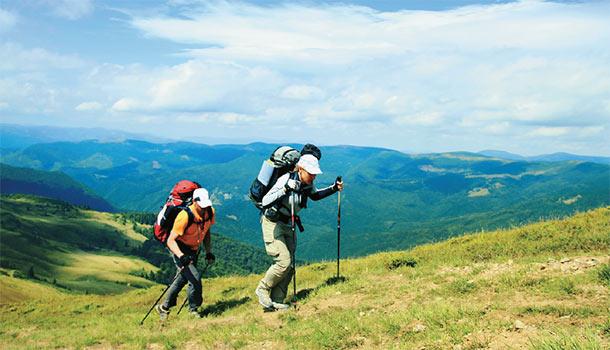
(88, 251)
(391, 200)
(13, 136)
(541, 286)
(52, 184)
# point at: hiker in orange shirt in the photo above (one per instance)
(191, 228)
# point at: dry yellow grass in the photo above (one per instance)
(537, 286)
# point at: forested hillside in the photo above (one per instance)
(87, 251)
(391, 200)
(52, 184)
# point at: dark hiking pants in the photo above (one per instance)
(194, 291)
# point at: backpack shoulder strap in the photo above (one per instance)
(191, 216)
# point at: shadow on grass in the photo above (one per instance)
(222, 306)
(334, 280)
(304, 293)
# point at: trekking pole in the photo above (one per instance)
(338, 229)
(161, 296)
(187, 298)
(294, 253)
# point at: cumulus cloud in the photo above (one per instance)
(574, 132)
(37, 80)
(89, 106)
(125, 105)
(486, 67)
(217, 118)
(474, 76)
(14, 57)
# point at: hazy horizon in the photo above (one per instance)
(226, 141)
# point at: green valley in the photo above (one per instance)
(391, 200)
(86, 251)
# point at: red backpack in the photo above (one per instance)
(179, 199)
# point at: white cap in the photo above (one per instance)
(310, 164)
(201, 197)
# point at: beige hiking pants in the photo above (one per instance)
(280, 245)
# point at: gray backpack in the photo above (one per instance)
(281, 161)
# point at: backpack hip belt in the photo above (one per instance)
(275, 216)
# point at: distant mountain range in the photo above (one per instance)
(391, 200)
(14, 136)
(553, 157)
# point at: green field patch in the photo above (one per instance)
(604, 275)
(585, 339)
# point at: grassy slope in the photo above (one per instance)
(89, 251)
(464, 293)
(77, 248)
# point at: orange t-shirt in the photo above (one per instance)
(194, 234)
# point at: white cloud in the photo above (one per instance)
(528, 70)
(7, 20)
(549, 131)
(421, 119)
(351, 32)
(489, 67)
(71, 9)
(89, 106)
(218, 118)
(14, 57)
(125, 105)
(38, 81)
(573, 132)
(302, 92)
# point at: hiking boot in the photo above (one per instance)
(263, 297)
(280, 306)
(163, 312)
(195, 314)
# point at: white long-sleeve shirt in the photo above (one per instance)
(278, 195)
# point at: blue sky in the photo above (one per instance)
(529, 77)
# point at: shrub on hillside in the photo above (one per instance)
(396, 263)
(604, 275)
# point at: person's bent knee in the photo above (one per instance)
(284, 265)
(197, 285)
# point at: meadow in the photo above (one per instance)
(541, 286)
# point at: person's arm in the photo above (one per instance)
(316, 194)
(276, 192)
(177, 230)
(207, 242)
